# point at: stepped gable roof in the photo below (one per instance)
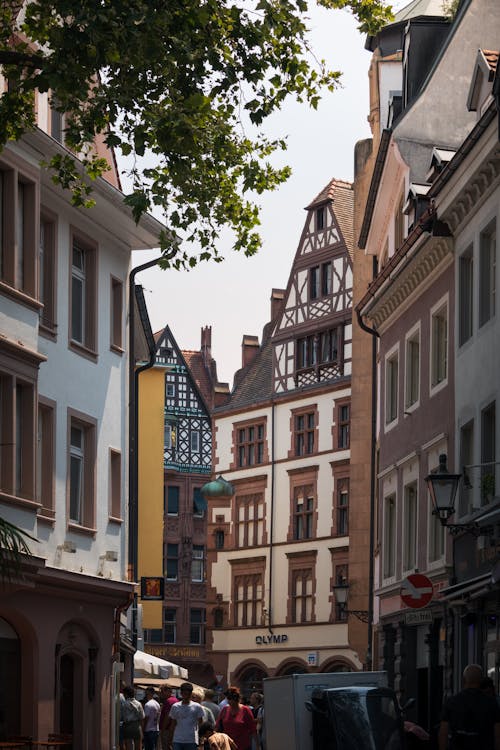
(341, 194)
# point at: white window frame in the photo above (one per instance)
(390, 357)
(410, 537)
(198, 562)
(77, 453)
(195, 441)
(411, 336)
(388, 579)
(434, 526)
(487, 276)
(436, 309)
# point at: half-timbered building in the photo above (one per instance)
(276, 548)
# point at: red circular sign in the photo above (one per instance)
(416, 591)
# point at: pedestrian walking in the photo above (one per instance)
(151, 720)
(167, 699)
(132, 716)
(238, 722)
(470, 719)
(185, 718)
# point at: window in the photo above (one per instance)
(250, 519)
(115, 483)
(488, 420)
(306, 352)
(343, 507)
(344, 421)
(172, 560)
(436, 536)
(466, 460)
(83, 309)
(219, 539)
(218, 617)
(45, 458)
(170, 390)
(82, 458)
(439, 345)
(328, 346)
(341, 578)
(47, 273)
(320, 218)
(197, 563)
(18, 225)
(302, 596)
(199, 503)
(487, 273)
(303, 512)
(465, 292)
(169, 625)
(314, 275)
(389, 558)
(410, 527)
(326, 278)
(172, 500)
(197, 626)
(116, 313)
(250, 445)
(412, 380)
(248, 593)
(169, 435)
(391, 387)
(195, 441)
(18, 376)
(304, 433)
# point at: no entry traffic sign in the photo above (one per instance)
(416, 591)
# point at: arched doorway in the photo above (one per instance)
(250, 681)
(10, 680)
(293, 669)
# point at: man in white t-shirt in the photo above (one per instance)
(151, 718)
(185, 718)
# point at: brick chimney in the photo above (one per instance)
(206, 345)
(277, 297)
(249, 349)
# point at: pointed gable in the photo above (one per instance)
(318, 294)
(187, 423)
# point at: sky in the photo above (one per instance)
(233, 297)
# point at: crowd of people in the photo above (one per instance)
(192, 722)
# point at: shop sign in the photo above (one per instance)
(420, 617)
(270, 640)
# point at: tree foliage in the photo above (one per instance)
(185, 84)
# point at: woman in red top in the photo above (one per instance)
(237, 721)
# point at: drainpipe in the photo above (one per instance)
(133, 433)
(375, 335)
(271, 525)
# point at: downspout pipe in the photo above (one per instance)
(371, 570)
(133, 384)
(271, 526)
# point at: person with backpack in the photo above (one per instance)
(470, 719)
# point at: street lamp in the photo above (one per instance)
(443, 488)
(341, 591)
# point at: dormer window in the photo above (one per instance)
(320, 218)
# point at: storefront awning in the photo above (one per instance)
(148, 665)
(470, 588)
(172, 682)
